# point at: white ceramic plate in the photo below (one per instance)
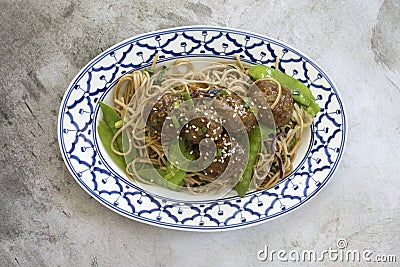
(93, 169)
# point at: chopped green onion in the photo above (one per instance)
(292, 142)
(150, 71)
(219, 152)
(222, 93)
(158, 81)
(175, 122)
(175, 105)
(186, 95)
(246, 103)
(188, 98)
(202, 130)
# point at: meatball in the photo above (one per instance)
(202, 127)
(229, 152)
(231, 107)
(284, 109)
(160, 110)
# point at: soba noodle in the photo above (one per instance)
(135, 90)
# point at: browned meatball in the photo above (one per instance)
(218, 166)
(284, 109)
(202, 127)
(228, 152)
(231, 107)
(160, 110)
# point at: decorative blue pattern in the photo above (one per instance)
(94, 171)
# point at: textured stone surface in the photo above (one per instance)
(48, 220)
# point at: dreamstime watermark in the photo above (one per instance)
(338, 254)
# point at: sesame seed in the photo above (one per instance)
(186, 131)
(176, 162)
(194, 137)
(191, 152)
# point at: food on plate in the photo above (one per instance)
(202, 126)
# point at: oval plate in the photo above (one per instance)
(98, 175)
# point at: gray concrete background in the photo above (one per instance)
(46, 219)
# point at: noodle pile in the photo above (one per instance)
(134, 91)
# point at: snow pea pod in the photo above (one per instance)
(313, 109)
(255, 140)
(107, 130)
(110, 116)
(177, 180)
(106, 135)
(157, 176)
(154, 175)
(300, 93)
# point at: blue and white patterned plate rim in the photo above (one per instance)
(202, 205)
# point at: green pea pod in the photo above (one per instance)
(313, 109)
(174, 155)
(110, 116)
(107, 131)
(255, 141)
(300, 93)
(106, 135)
(176, 181)
(154, 175)
(173, 174)
(157, 176)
